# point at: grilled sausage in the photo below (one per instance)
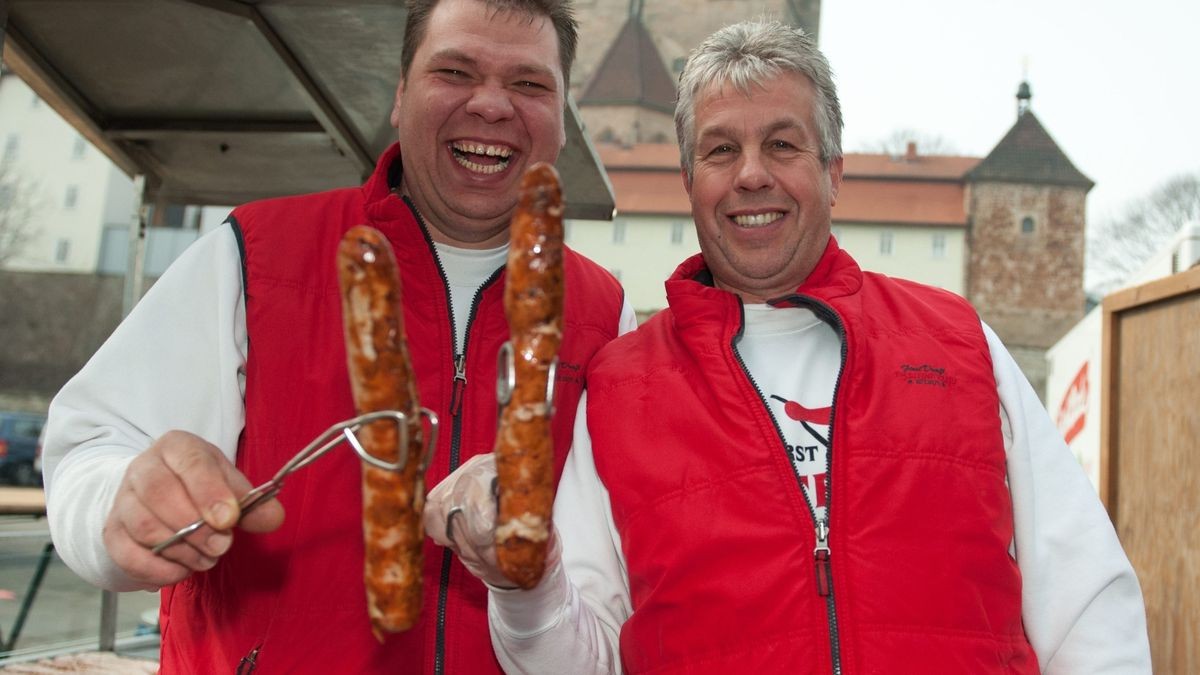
(381, 378)
(533, 303)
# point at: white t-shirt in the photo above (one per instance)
(466, 270)
(787, 355)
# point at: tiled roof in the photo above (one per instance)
(646, 155)
(922, 167)
(907, 202)
(1027, 154)
(927, 190)
(632, 73)
(649, 193)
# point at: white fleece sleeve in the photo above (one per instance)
(176, 362)
(570, 622)
(628, 320)
(1081, 603)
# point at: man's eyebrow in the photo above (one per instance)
(784, 124)
(523, 69)
(534, 69)
(719, 131)
(455, 55)
(723, 131)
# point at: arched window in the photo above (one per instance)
(1027, 225)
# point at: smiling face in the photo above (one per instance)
(482, 101)
(761, 197)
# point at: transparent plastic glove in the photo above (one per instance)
(460, 513)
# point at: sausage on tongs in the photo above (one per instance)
(533, 302)
(393, 477)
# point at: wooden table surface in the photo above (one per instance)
(22, 501)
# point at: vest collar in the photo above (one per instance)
(695, 299)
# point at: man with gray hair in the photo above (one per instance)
(800, 466)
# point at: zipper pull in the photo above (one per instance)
(821, 555)
(248, 663)
(460, 383)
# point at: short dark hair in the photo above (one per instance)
(560, 12)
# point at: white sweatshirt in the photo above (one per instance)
(176, 362)
(1081, 602)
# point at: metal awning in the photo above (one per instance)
(224, 101)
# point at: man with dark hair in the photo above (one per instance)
(799, 466)
(235, 360)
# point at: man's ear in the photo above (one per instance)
(835, 180)
(687, 181)
(395, 116)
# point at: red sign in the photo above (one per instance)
(1072, 411)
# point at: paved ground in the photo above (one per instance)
(65, 608)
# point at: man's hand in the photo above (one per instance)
(460, 513)
(178, 480)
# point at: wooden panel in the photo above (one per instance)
(22, 501)
(1150, 465)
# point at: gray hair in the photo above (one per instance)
(749, 53)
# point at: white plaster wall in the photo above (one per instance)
(46, 155)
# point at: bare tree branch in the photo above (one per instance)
(1118, 247)
(19, 201)
(896, 144)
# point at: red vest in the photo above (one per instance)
(718, 537)
(293, 600)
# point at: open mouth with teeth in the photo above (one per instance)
(748, 220)
(480, 158)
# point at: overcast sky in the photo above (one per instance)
(1117, 84)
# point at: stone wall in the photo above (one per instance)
(1028, 286)
(626, 124)
(51, 325)
(1033, 364)
(601, 20)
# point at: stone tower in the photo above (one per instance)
(1026, 216)
(631, 52)
(631, 96)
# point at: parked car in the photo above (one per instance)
(20, 445)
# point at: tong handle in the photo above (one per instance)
(250, 501)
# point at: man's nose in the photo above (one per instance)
(753, 173)
(490, 102)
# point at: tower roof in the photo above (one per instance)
(632, 73)
(1027, 154)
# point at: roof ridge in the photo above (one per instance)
(1029, 154)
(632, 72)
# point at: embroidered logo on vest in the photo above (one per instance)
(570, 373)
(925, 374)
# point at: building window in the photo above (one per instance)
(939, 246)
(885, 243)
(72, 197)
(79, 148)
(12, 146)
(618, 231)
(61, 249)
(1027, 225)
(677, 232)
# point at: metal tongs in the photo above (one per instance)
(506, 377)
(332, 437)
